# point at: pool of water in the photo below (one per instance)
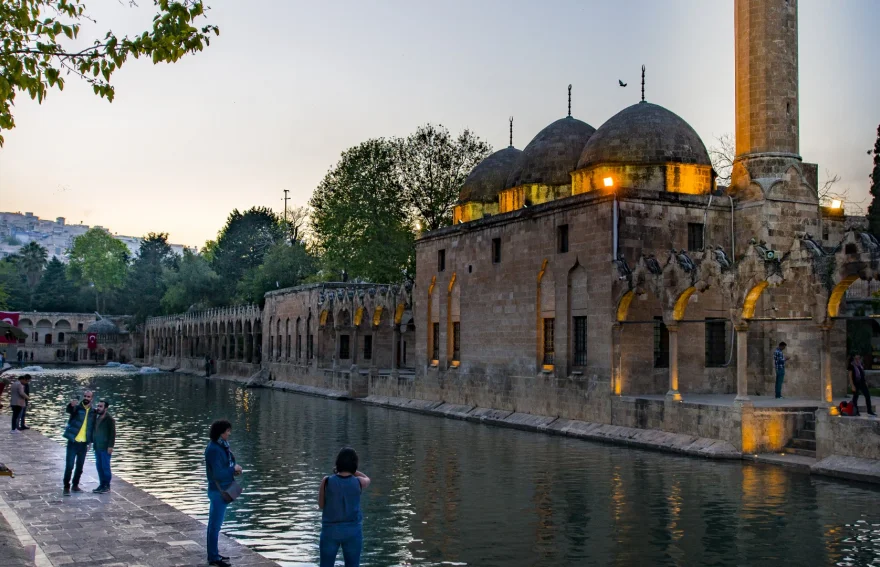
(448, 492)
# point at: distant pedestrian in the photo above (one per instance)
(17, 399)
(779, 360)
(221, 471)
(339, 498)
(27, 403)
(105, 440)
(20, 356)
(79, 433)
(859, 384)
(207, 366)
(32, 356)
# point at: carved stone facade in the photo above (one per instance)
(62, 338)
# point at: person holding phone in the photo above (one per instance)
(79, 433)
(339, 499)
(221, 470)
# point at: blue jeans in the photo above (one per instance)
(780, 376)
(76, 455)
(102, 463)
(350, 537)
(215, 522)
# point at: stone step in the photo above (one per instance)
(806, 434)
(799, 462)
(797, 443)
(809, 426)
(800, 452)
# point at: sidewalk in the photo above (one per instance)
(126, 528)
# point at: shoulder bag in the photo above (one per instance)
(232, 491)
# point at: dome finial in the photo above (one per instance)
(643, 83)
(569, 100)
(511, 131)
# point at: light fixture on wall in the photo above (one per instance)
(609, 182)
(836, 204)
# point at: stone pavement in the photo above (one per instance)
(126, 528)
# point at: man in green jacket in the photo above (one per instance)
(105, 439)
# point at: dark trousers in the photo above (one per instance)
(76, 454)
(21, 417)
(102, 463)
(16, 416)
(780, 377)
(861, 387)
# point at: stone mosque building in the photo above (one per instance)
(603, 275)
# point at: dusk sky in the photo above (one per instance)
(289, 85)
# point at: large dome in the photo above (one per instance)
(103, 327)
(552, 155)
(489, 176)
(644, 134)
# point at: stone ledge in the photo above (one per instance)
(850, 468)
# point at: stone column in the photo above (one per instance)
(672, 394)
(335, 346)
(395, 348)
(742, 363)
(353, 345)
(825, 368)
(616, 371)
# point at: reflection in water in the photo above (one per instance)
(452, 492)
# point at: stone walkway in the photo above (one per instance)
(126, 528)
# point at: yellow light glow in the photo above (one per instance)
(836, 204)
(609, 182)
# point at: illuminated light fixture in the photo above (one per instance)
(609, 182)
(836, 204)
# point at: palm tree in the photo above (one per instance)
(33, 260)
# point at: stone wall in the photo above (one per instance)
(847, 436)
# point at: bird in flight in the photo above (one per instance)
(622, 84)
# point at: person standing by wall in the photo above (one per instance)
(105, 440)
(27, 402)
(79, 433)
(859, 384)
(779, 360)
(339, 499)
(17, 399)
(221, 470)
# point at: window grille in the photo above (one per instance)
(549, 340)
(580, 341)
(716, 342)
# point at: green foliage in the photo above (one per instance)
(359, 221)
(285, 265)
(243, 242)
(192, 284)
(4, 297)
(99, 260)
(56, 292)
(432, 166)
(14, 284)
(32, 259)
(144, 283)
(874, 207)
(35, 52)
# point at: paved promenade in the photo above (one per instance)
(126, 528)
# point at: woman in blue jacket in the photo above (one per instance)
(221, 470)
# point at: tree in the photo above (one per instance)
(100, 261)
(37, 39)
(432, 166)
(14, 284)
(722, 155)
(56, 292)
(360, 223)
(32, 259)
(243, 242)
(285, 265)
(145, 286)
(874, 207)
(192, 284)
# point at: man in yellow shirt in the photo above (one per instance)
(79, 434)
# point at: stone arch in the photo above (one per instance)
(287, 340)
(453, 321)
(578, 305)
(433, 321)
(545, 324)
(44, 331)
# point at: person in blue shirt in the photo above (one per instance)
(339, 498)
(221, 470)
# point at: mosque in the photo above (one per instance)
(603, 275)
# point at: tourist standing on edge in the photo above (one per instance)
(27, 402)
(859, 384)
(20, 356)
(17, 399)
(105, 439)
(779, 360)
(339, 499)
(221, 471)
(79, 433)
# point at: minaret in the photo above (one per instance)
(766, 46)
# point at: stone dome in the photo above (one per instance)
(103, 327)
(489, 176)
(642, 134)
(552, 155)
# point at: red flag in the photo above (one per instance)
(12, 319)
(93, 341)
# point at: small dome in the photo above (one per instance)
(644, 133)
(489, 176)
(103, 327)
(552, 155)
